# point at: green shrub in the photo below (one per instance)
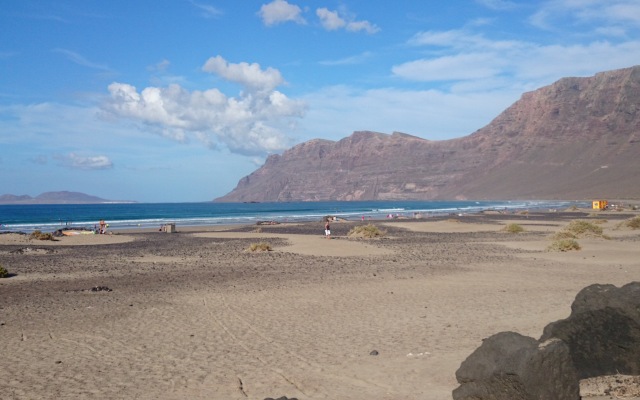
(513, 228)
(41, 236)
(262, 246)
(366, 231)
(3, 272)
(564, 245)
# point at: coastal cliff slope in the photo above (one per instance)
(578, 138)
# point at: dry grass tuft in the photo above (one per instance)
(564, 245)
(513, 228)
(41, 236)
(369, 231)
(262, 246)
(632, 223)
(580, 229)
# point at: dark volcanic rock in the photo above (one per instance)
(577, 138)
(603, 330)
(509, 366)
(601, 337)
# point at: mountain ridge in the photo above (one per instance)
(577, 138)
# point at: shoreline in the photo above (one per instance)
(196, 315)
(374, 213)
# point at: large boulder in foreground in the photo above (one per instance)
(601, 337)
(603, 330)
(509, 366)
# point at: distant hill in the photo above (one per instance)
(55, 198)
(578, 138)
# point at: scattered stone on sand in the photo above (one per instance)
(281, 398)
(33, 250)
(101, 289)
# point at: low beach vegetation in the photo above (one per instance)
(262, 246)
(3, 272)
(564, 245)
(581, 229)
(38, 235)
(368, 231)
(513, 228)
(632, 223)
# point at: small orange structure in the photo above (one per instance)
(600, 204)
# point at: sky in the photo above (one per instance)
(177, 100)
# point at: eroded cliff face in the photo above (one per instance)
(577, 138)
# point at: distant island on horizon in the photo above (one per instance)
(62, 197)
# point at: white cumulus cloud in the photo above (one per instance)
(279, 11)
(76, 161)
(334, 20)
(330, 20)
(253, 123)
(249, 75)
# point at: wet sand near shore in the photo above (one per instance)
(152, 315)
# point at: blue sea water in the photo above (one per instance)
(50, 217)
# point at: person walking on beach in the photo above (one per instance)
(103, 227)
(327, 229)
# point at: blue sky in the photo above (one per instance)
(176, 100)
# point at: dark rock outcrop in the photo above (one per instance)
(509, 366)
(603, 330)
(577, 138)
(600, 337)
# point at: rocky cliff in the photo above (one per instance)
(578, 138)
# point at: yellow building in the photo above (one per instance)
(600, 204)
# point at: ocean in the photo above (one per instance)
(50, 217)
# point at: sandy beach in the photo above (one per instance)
(194, 315)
